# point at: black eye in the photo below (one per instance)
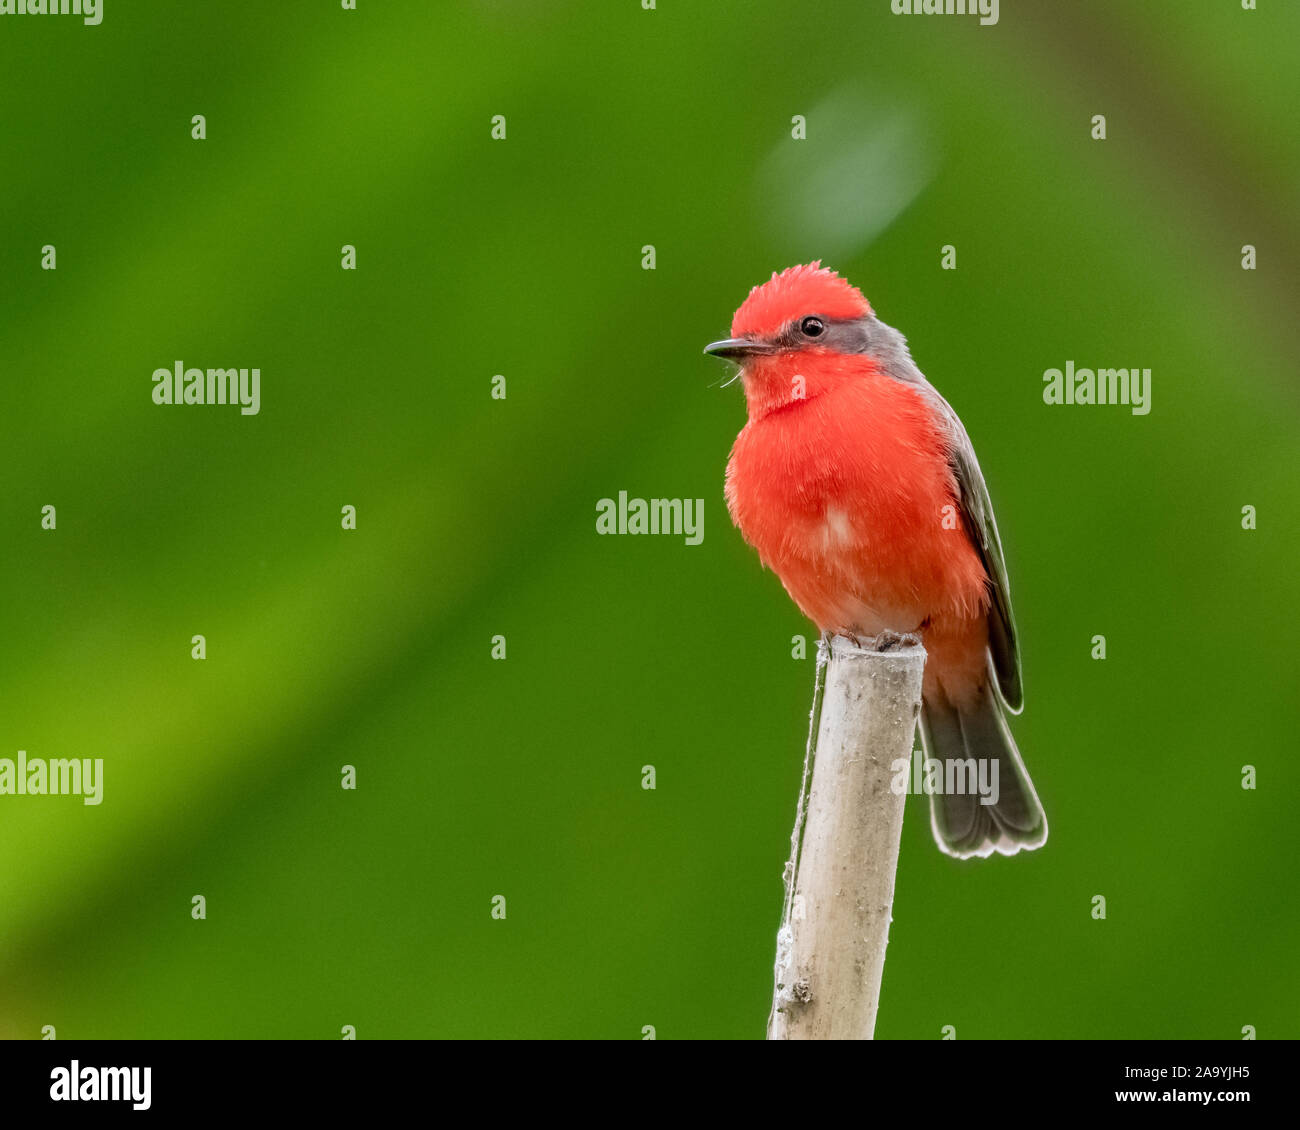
(812, 327)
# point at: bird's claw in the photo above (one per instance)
(887, 641)
(883, 641)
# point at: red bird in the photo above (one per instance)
(859, 487)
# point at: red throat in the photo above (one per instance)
(787, 380)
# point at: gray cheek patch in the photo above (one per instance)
(863, 336)
(854, 335)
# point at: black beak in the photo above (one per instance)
(737, 348)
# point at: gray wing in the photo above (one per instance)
(977, 509)
(889, 348)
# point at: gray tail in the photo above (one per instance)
(963, 825)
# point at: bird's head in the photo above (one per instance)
(802, 307)
(806, 325)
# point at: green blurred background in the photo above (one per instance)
(522, 257)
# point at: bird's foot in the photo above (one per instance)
(888, 641)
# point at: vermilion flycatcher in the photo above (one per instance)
(859, 487)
